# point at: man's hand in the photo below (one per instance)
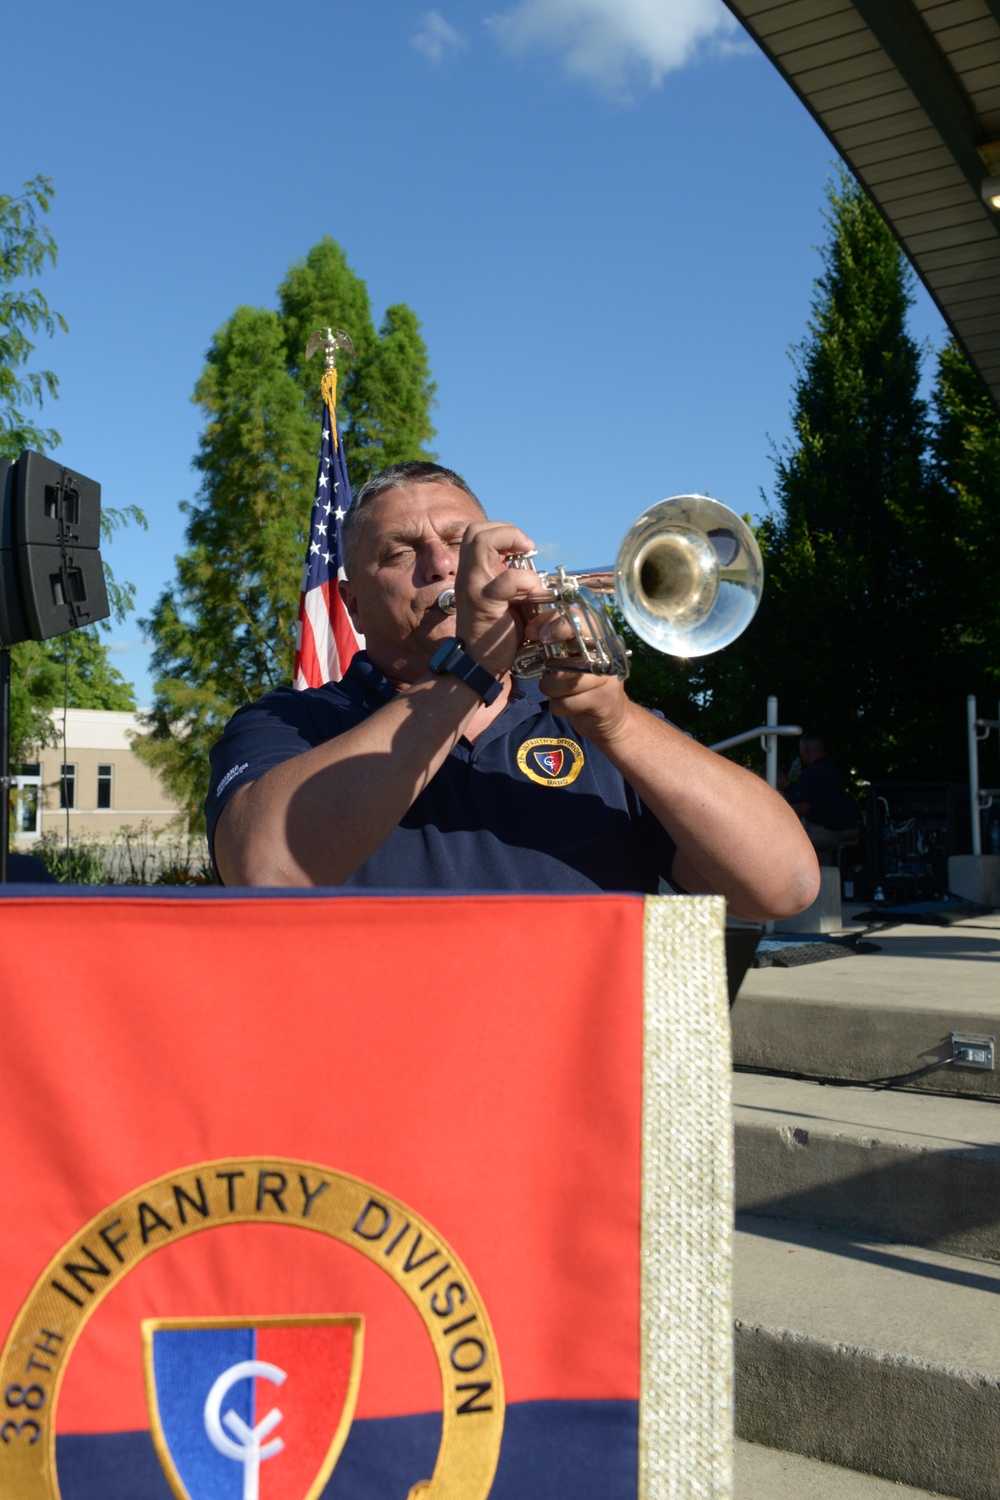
(733, 834)
(488, 620)
(595, 706)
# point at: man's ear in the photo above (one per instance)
(350, 601)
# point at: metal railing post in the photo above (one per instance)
(771, 743)
(977, 838)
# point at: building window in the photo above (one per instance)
(67, 786)
(26, 799)
(105, 782)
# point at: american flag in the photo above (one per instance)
(326, 638)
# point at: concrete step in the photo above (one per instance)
(880, 1358)
(875, 1015)
(916, 1168)
(767, 1474)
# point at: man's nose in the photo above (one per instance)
(439, 561)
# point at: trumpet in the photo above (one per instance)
(688, 579)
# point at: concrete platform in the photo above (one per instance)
(916, 1168)
(767, 1474)
(976, 877)
(874, 1015)
(879, 1358)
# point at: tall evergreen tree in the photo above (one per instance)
(965, 446)
(849, 631)
(224, 632)
(846, 635)
(880, 609)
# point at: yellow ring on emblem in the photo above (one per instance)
(575, 753)
(204, 1197)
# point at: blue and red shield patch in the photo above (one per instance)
(251, 1411)
(549, 761)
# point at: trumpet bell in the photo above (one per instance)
(689, 576)
(688, 579)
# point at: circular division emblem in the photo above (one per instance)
(253, 1358)
(550, 762)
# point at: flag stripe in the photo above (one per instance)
(326, 638)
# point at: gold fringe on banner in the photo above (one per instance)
(328, 390)
(686, 1407)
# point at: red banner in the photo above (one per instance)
(226, 1108)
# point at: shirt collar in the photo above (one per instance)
(365, 684)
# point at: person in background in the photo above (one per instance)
(819, 797)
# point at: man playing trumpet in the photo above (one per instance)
(429, 766)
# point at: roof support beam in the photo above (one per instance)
(914, 53)
(920, 144)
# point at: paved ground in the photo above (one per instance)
(916, 964)
(876, 1015)
(767, 1474)
(853, 1343)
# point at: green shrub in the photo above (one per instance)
(134, 855)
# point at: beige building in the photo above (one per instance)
(99, 779)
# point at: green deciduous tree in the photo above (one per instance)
(75, 667)
(38, 679)
(224, 632)
(26, 246)
(386, 392)
(41, 682)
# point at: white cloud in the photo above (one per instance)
(119, 647)
(436, 38)
(618, 46)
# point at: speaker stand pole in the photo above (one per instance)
(4, 764)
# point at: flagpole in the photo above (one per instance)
(326, 640)
(330, 340)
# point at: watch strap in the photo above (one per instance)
(452, 657)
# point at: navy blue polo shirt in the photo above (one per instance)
(529, 807)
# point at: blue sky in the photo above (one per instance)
(604, 212)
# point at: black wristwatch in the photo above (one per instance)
(452, 657)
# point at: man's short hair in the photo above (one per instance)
(395, 477)
(814, 738)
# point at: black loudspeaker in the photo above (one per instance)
(51, 574)
(13, 626)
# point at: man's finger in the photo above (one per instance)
(511, 584)
(499, 537)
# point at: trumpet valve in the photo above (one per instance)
(522, 561)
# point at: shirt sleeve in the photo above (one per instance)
(258, 737)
